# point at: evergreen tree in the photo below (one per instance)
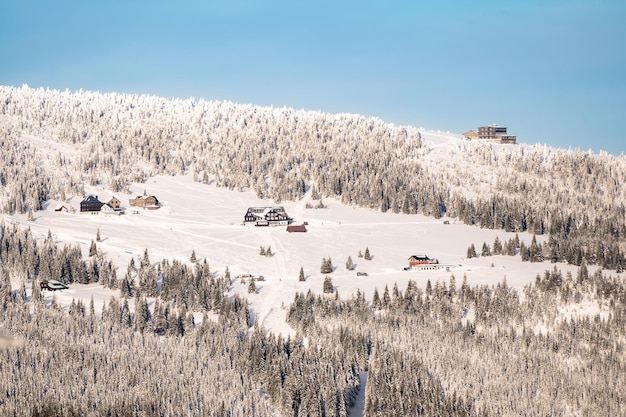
(327, 266)
(349, 264)
(301, 276)
(376, 299)
(193, 259)
(5, 288)
(367, 256)
(471, 251)
(485, 251)
(396, 295)
(142, 314)
(160, 322)
(429, 288)
(98, 235)
(583, 272)
(465, 289)
(535, 252)
(386, 297)
(452, 286)
(252, 286)
(328, 285)
(524, 252)
(93, 250)
(145, 260)
(497, 246)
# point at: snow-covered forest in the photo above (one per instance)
(172, 341)
(115, 139)
(422, 351)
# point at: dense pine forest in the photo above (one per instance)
(448, 350)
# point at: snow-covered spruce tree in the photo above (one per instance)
(349, 264)
(301, 276)
(471, 252)
(93, 249)
(524, 252)
(376, 303)
(327, 266)
(252, 287)
(535, 251)
(328, 285)
(486, 251)
(497, 246)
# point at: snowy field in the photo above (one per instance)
(208, 220)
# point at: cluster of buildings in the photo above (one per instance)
(492, 133)
(91, 204)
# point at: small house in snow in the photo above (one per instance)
(470, 134)
(114, 203)
(147, 202)
(108, 209)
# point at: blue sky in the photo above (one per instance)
(553, 71)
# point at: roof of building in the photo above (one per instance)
(91, 198)
(296, 228)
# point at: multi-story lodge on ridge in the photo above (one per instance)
(493, 133)
(267, 216)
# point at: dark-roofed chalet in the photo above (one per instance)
(267, 216)
(90, 204)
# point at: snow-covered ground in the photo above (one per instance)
(208, 220)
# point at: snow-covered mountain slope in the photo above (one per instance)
(384, 191)
(208, 220)
(406, 181)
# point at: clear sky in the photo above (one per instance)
(553, 71)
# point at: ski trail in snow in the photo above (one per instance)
(274, 287)
(358, 409)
